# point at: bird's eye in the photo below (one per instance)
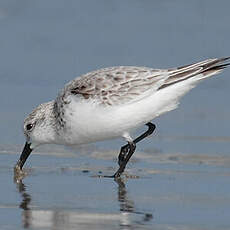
(29, 127)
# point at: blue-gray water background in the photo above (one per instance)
(46, 43)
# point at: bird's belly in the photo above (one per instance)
(87, 123)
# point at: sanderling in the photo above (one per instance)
(110, 103)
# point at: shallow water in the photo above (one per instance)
(63, 190)
(178, 179)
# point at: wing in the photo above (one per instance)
(125, 84)
(116, 85)
(202, 69)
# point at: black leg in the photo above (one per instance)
(128, 150)
(123, 152)
(132, 147)
(124, 149)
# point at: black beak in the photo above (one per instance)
(25, 154)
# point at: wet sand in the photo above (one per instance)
(63, 190)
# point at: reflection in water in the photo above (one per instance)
(26, 199)
(127, 207)
(128, 218)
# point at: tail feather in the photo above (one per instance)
(203, 69)
(214, 69)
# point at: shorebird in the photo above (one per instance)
(111, 102)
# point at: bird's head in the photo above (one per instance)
(38, 129)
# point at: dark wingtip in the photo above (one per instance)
(216, 64)
(223, 59)
(218, 67)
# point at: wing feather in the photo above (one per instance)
(116, 85)
(125, 84)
